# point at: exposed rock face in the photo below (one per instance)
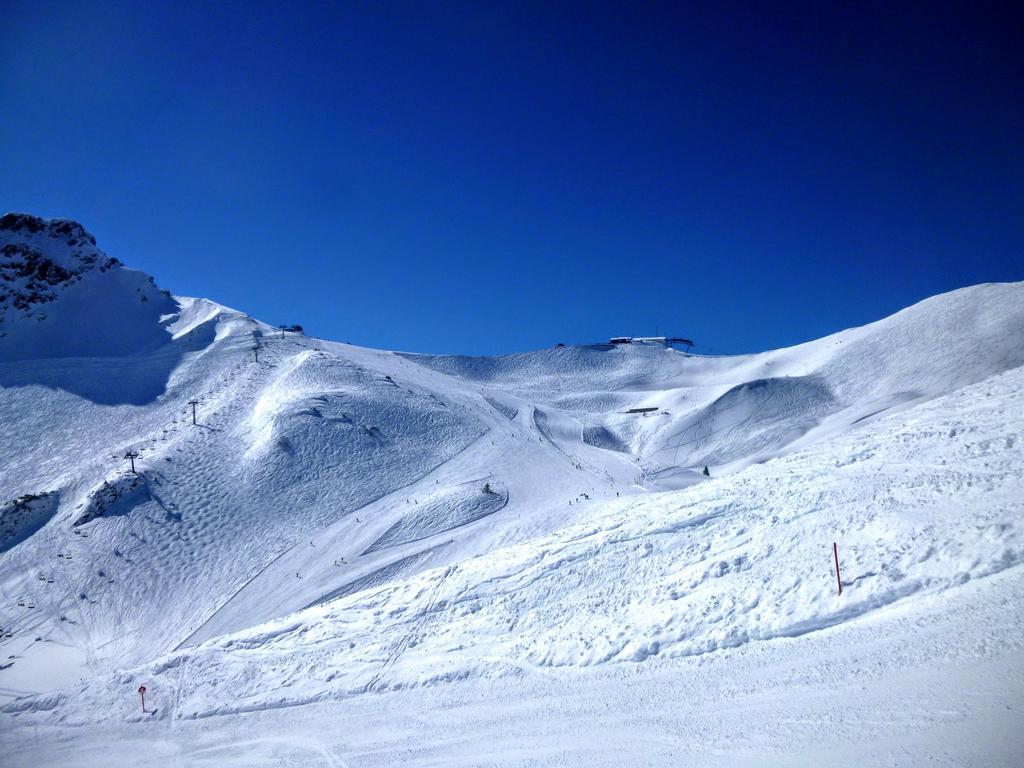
(23, 516)
(51, 270)
(32, 273)
(71, 231)
(115, 497)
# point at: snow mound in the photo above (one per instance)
(747, 420)
(442, 511)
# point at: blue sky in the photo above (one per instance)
(481, 180)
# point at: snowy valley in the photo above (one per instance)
(366, 557)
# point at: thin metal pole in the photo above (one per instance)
(835, 552)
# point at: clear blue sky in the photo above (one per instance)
(479, 179)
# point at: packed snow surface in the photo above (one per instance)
(359, 557)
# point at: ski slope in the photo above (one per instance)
(344, 530)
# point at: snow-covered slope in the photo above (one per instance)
(730, 411)
(342, 521)
(920, 504)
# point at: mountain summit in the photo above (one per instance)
(61, 296)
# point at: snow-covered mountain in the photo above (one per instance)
(60, 296)
(341, 522)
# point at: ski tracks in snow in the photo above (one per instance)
(418, 625)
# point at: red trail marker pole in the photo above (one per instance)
(142, 693)
(835, 551)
